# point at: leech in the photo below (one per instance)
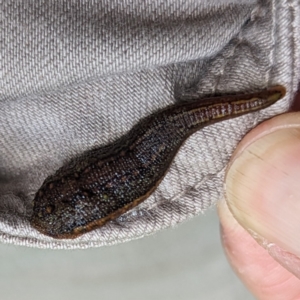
(104, 183)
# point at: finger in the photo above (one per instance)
(262, 187)
(263, 276)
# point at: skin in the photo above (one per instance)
(263, 182)
(106, 182)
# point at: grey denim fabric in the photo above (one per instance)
(79, 74)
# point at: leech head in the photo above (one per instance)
(258, 101)
(244, 104)
(276, 93)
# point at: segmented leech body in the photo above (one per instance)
(104, 183)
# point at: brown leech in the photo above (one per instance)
(106, 182)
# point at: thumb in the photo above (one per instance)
(263, 188)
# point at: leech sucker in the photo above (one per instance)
(104, 183)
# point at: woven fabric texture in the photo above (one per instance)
(79, 74)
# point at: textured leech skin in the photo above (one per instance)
(104, 183)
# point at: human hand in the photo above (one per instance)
(263, 199)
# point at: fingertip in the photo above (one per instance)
(262, 183)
